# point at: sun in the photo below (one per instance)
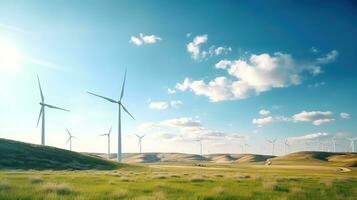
(9, 55)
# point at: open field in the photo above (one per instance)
(30, 171)
(182, 181)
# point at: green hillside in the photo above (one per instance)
(19, 155)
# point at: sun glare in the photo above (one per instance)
(9, 55)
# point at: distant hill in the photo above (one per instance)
(188, 158)
(20, 155)
(318, 157)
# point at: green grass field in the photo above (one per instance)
(30, 171)
(183, 182)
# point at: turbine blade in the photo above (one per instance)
(127, 111)
(103, 134)
(122, 87)
(69, 133)
(106, 98)
(39, 116)
(68, 140)
(110, 130)
(39, 85)
(55, 107)
(137, 135)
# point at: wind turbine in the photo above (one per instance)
(199, 140)
(108, 135)
(140, 137)
(273, 144)
(70, 139)
(120, 106)
(352, 143)
(286, 144)
(334, 143)
(42, 112)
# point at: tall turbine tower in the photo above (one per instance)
(42, 112)
(108, 135)
(200, 141)
(272, 142)
(70, 139)
(352, 140)
(140, 137)
(120, 106)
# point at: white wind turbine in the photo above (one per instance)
(140, 137)
(70, 139)
(272, 142)
(108, 135)
(286, 145)
(200, 141)
(352, 140)
(334, 143)
(120, 106)
(42, 112)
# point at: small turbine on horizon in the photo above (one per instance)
(140, 137)
(120, 106)
(352, 140)
(70, 139)
(272, 142)
(200, 141)
(334, 143)
(108, 135)
(42, 112)
(286, 145)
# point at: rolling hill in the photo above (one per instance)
(318, 157)
(20, 155)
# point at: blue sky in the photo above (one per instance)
(293, 61)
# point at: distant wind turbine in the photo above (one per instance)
(70, 139)
(200, 141)
(42, 112)
(352, 140)
(286, 145)
(334, 143)
(140, 137)
(120, 106)
(108, 135)
(272, 142)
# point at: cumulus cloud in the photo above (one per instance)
(186, 128)
(264, 112)
(144, 39)
(316, 117)
(158, 105)
(344, 115)
(171, 91)
(175, 104)
(260, 122)
(308, 137)
(260, 73)
(195, 48)
(328, 58)
(162, 105)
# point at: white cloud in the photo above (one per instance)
(162, 105)
(264, 112)
(329, 57)
(260, 73)
(194, 48)
(316, 117)
(136, 41)
(308, 137)
(185, 128)
(171, 91)
(260, 122)
(344, 115)
(158, 105)
(144, 39)
(317, 85)
(175, 104)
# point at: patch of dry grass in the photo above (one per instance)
(58, 188)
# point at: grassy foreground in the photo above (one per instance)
(173, 181)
